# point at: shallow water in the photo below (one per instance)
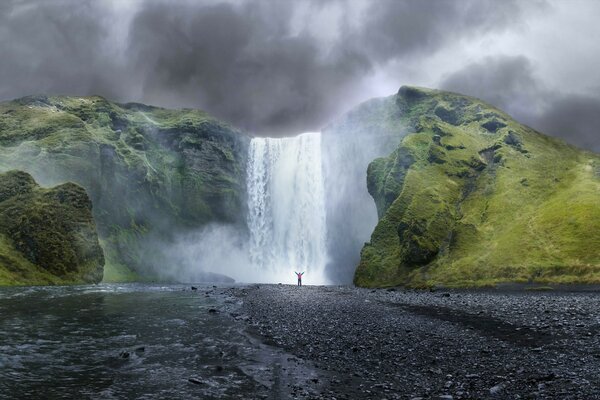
(127, 341)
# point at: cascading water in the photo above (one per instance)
(286, 208)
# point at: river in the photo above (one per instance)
(131, 341)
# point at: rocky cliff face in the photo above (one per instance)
(470, 197)
(150, 172)
(46, 235)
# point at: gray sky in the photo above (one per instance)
(282, 67)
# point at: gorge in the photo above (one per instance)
(431, 185)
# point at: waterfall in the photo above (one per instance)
(286, 208)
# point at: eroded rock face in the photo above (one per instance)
(471, 197)
(47, 235)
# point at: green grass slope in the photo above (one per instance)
(472, 198)
(47, 236)
(150, 172)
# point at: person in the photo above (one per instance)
(299, 277)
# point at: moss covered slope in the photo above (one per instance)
(47, 236)
(471, 197)
(149, 171)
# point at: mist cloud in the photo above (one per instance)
(274, 67)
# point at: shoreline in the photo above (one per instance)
(446, 344)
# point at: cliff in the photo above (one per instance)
(150, 172)
(47, 236)
(470, 197)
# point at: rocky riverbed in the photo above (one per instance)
(397, 344)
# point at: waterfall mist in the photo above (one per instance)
(349, 144)
(286, 208)
(308, 207)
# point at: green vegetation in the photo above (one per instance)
(473, 198)
(47, 236)
(150, 172)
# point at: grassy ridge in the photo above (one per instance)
(473, 198)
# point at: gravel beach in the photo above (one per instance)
(399, 344)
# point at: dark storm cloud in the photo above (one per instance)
(251, 64)
(395, 29)
(510, 83)
(241, 64)
(52, 47)
(255, 63)
(244, 64)
(506, 81)
(575, 118)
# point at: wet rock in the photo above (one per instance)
(498, 389)
(429, 344)
(447, 115)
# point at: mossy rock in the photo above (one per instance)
(46, 235)
(484, 200)
(150, 172)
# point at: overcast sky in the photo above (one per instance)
(282, 67)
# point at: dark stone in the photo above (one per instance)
(446, 115)
(439, 131)
(410, 94)
(476, 164)
(212, 311)
(451, 147)
(489, 154)
(493, 125)
(194, 288)
(512, 139)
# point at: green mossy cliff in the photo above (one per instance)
(470, 197)
(47, 236)
(150, 172)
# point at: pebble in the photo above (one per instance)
(428, 343)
